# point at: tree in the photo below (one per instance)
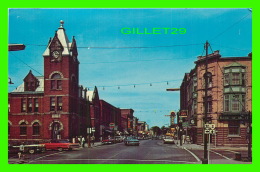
(164, 130)
(156, 130)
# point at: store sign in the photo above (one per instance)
(193, 121)
(233, 118)
(184, 113)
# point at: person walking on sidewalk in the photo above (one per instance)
(21, 151)
(83, 141)
(93, 140)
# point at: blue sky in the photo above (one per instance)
(105, 64)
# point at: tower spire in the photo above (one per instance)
(61, 24)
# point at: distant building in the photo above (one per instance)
(127, 119)
(229, 98)
(110, 119)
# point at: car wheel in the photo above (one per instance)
(43, 150)
(60, 149)
(31, 151)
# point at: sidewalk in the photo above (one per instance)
(191, 147)
(95, 145)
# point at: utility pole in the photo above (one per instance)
(249, 153)
(205, 161)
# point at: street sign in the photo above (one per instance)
(210, 131)
(209, 126)
(89, 131)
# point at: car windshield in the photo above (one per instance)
(168, 137)
(60, 141)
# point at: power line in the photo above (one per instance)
(221, 33)
(231, 47)
(136, 84)
(89, 47)
(26, 64)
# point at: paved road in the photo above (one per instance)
(149, 152)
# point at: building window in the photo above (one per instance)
(36, 105)
(23, 128)
(234, 76)
(29, 105)
(59, 102)
(9, 128)
(226, 103)
(23, 105)
(233, 127)
(235, 79)
(234, 102)
(56, 83)
(226, 79)
(209, 104)
(52, 104)
(36, 128)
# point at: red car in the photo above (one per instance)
(61, 145)
(108, 141)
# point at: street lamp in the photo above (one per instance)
(10, 81)
(16, 47)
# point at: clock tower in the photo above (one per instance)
(61, 85)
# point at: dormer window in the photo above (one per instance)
(30, 82)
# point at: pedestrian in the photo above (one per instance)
(93, 140)
(80, 140)
(21, 151)
(83, 142)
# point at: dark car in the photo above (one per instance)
(131, 141)
(28, 148)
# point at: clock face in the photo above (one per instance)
(55, 54)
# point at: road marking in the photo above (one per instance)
(45, 156)
(231, 151)
(220, 155)
(140, 160)
(192, 154)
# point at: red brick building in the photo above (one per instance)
(229, 98)
(52, 106)
(127, 119)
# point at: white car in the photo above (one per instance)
(168, 139)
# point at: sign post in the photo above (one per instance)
(209, 129)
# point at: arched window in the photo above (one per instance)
(36, 128)
(56, 83)
(23, 128)
(56, 127)
(9, 127)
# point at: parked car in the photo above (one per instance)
(131, 141)
(119, 139)
(108, 141)
(168, 139)
(28, 148)
(61, 145)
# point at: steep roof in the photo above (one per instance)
(235, 64)
(39, 89)
(62, 37)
